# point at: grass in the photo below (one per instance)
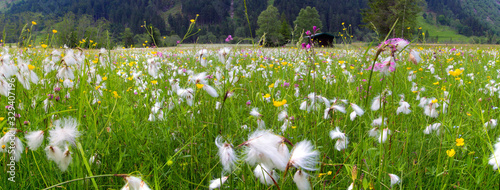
(444, 33)
(179, 152)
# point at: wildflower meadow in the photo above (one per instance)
(394, 115)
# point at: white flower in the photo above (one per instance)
(382, 137)
(282, 115)
(35, 139)
(404, 107)
(65, 160)
(135, 183)
(65, 131)
(352, 115)
(342, 139)
(300, 179)
(394, 179)
(432, 127)
(492, 123)
(210, 90)
(303, 156)
(378, 121)
(357, 109)
(262, 147)
(226, 154)
(266, 176)
(255, 112)
(54, 153)
(216, 183)
(376, 103)
(495, 156)
(350, 186)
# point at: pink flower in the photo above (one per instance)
(229, 38)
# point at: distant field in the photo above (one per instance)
(444, 33)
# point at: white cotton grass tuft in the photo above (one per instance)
(376, 103)
(433, 127)
(210, 90)
(301, 180)
(65, 131)
(378, 121)
(394, 179)
(227, 155)
(357, 109)
(217, 183)
(135, 183)
(5, 140)
(342, 141)
(304, 156)
(492, 123)
(265, 175)
(262, 148)
(34, 139)
(382, 137)
(404, 107)
(54, 153)
(255, 112)
(351, 186)
(495, 156)
(65, 160)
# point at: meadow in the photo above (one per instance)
(251, 118)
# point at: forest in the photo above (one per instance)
(126, 22)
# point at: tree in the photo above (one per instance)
(285, 28)
(307, 18)
(268, 21)
(383, 14)
(127, 37)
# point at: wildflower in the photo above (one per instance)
(378, 121)
(382, 137)
(396, 44)
(65, 160)
(387, 66)
(229, 38)
(415, 57)
(300, 179)
(135, 183)
(65, 131)
(54, 31)
(404, 107)
(495, 156)
(255, 112)
(433, 127)
(33, 22)
(34, 139)
(262, 147)
(342, 139)
(192, 20)
(376, 103)
(54, 153)
(357, 109)
(492, 123)
(279, 103)
(199, 86)
(394, 179)
(154, 82)
(266, 176)
(451, 152)
(303, 156)
(226, 154)
(216, 183)
(460, 142)
(455, 73)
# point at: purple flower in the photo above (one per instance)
(285, 84)
(308, 46)
(50, 96)
(396, 44)
(17, 115)
(57, 89)
(315, 29)
(296, 85)
(8, 106)
(308, 33)
(229, 38)
(249, 103)
(178, 41)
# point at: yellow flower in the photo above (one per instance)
(97, 87)
(341, 62)
(329, 173)
(293, 127)
(271, 65)
(104, 78)
(115, 95)
(2, 118)
(271, 85)
(434, 101)
(267, 96)
(458, 54)
(199, 86)
(468, 114)
(456, 72)
(436, 83)
(450, 59)
(3, 146)
(99, 102)
(279, 103)
(154, 82)
(451, 152)
(460, 142)
(192, 20)
(31, 67)
(170, 162)
(44, 46)
(54, 31)
(420, 69)
(33, 22)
